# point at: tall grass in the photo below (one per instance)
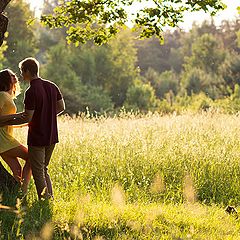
(94, 155)
(130, 177)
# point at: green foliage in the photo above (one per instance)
(236, 93)
(164, 83)
(230, 70)
(196, 80)
(20, 98)
(100, 20)
(167, 82)
(151, 76)
(123, 59)
(161, 57)
(2, 50)
(192, 81)
(229, 105)
(107, 71)
(206, 54)
(48, 37)
(200, 102)
(111, 66)
(165, 107)
(21, 41)
(83, 61)
(140, 96)
(94, 99)
(176, 59)
(78, 94)
(205, 59)
(58, 67)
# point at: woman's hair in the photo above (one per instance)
(6, 82)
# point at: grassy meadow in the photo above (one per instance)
(136, 177)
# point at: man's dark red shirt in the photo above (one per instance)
(42, 97)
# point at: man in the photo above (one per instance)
(43, 102)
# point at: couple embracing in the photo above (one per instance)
(42, 103)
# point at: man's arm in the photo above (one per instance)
(60, 106)
(17, 119)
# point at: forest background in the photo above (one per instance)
(194, 70)
(143, 176)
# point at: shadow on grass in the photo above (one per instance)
(36, 217)
(9, 192)
(9, 212)
(17, 220)
(23, 222)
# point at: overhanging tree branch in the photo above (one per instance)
(99, 20)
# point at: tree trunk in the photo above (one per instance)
(3, 19)
(3, 4)
(3, 27)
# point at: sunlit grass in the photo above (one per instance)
(141, 177)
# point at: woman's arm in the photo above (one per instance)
(16, 119)
(5, 118)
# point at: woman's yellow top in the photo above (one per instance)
(7, 106)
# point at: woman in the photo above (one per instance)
(10, 148)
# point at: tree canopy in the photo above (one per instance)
(99, 20)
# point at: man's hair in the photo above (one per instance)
(29, 64)
(6, 80)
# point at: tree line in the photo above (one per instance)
(199, 68)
